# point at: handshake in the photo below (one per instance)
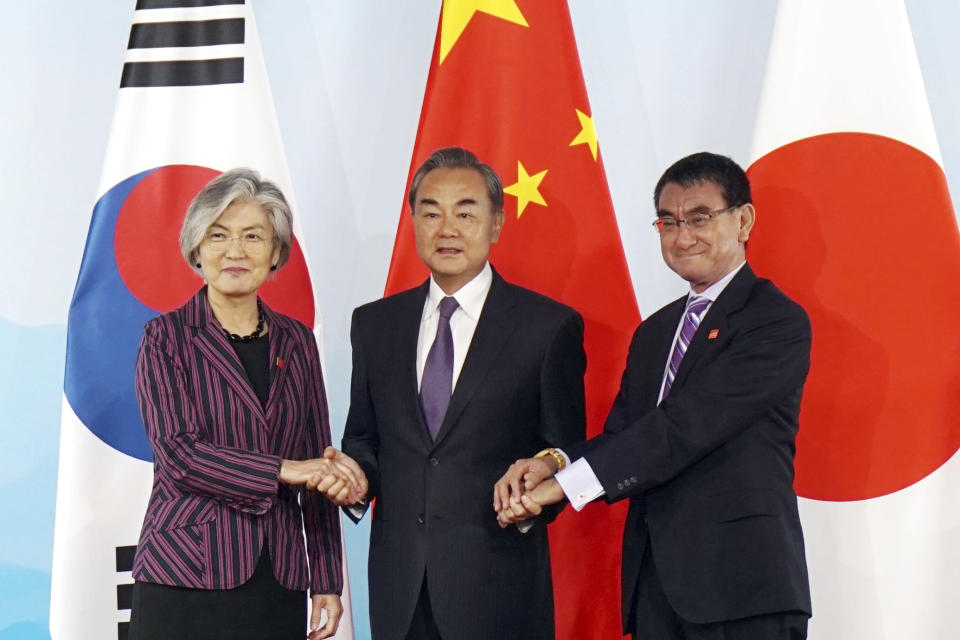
(526, 487)
(335, 475)
(520, 494)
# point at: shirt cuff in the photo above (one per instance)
(579, 483)
(357, 510)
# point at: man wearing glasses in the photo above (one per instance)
(701, 437)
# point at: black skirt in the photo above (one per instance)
(259, 609)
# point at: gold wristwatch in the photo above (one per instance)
(555, 454)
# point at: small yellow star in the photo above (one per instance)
(526, 188)
(587, 135)
(458, 13)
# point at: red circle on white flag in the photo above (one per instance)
(860, 230)
(147, 247)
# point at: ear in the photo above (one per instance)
(498, 219)
(274, 258)
(747, 217)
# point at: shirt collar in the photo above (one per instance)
(470, 296)
(712, 292)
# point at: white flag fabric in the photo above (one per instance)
(194, 100)
(855, 222)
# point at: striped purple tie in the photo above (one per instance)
(695, 308)
(436, 385)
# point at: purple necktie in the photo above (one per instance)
(436, 385)
(695, 308)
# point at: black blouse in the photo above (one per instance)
(255, 358)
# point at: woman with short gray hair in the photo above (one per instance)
(232, 396)
(231, 186)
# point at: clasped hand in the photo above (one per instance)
(523, 491)
(336, 475)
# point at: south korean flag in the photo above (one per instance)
(194, 100)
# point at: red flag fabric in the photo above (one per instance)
(505, 82)
(855, 222)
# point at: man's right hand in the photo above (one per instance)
(531, 503)
(347, 486)
(523, 475)
(342, 482)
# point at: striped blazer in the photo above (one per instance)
(216, 497)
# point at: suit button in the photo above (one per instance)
(633, 479)
(434, 462)
(620, 485)
(420, 519)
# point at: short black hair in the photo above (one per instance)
(458, 158)
(707, 167)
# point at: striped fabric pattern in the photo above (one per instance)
(216, 498)
(691, 321)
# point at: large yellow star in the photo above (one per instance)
(458, 13)
(587, 135)
(526, 188)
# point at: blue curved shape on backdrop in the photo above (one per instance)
(103, 336)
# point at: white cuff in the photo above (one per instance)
(579, 484)
(358, 509)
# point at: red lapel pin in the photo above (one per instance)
(280, 363)
(713, 334)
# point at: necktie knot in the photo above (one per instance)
(447, 306)
(697, 305)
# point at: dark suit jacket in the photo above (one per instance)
(520, 389)
(709, 473)
(216, 498)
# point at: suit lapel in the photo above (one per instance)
(213, 346)
(407, 330)
(731, 299)
(282, 344)
(658, 350)
(494, 328)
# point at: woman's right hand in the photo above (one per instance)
(340, 481)
(341, 494)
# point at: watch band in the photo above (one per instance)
(556, 455)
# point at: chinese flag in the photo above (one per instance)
(505, 82)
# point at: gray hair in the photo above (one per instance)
(229, 187)
(458, 158)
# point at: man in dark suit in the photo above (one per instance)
(451, 382)
(701, 435)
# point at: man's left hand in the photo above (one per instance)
(530, 504)
(523, 475)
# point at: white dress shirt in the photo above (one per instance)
(578, 481)
(463, 322)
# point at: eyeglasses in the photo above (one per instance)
(252, 241)
(695, 221)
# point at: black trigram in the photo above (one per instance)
(125, 590)
(186, 33)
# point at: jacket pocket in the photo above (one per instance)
(176, 540)
(181, 512)
(736, 505)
